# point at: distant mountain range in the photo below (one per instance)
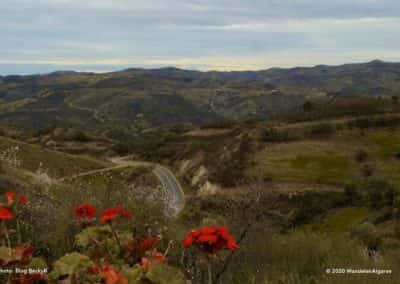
(136, 99)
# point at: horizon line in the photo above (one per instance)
(143, 67)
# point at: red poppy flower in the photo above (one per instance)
(29, 278)
(85, 211)
(232, 245)
(148, 243)
(108, 273)
(188, 241)
(158, 256)
(10, 196)
(94, 269)
(6, 214)
(139, 247)
(207, 230)
(108, 215)
(22, 198)
(210, 239)
(123, 212)
(25, 253)
(148, 262)
(112, 213)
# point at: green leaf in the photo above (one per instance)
(6, 253)
(37, 263)
(92, 233)
(134, 275)
(164, 274)
(70, 264)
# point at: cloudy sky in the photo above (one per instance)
(38, 36)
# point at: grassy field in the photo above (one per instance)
(285, 238)
(340, 221)
(311, 161)
(56, 163)
(330, 160)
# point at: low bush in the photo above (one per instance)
(299, 257)
(361, 156)
(322, 130)
(273, 135)
(380, 193)
(106, 252)
(377, 122)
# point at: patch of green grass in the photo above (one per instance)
(57, 164)
(384, 145)
(329, 168)
(342, 220)
(323, 168)
(306, 161)
(388, 143)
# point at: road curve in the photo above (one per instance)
(175, 197)
(173, 193)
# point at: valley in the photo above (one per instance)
(304, 181)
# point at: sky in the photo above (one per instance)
(40, 36)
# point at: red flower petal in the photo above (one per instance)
(22, 198)
(148, 243)
(10, 197)
(108, 215)
(211, 239)
(123, 212)
(25, 253)
(6, 214)
(188, 241)
(94, 269)
(158, 256)
(232, 245)
(85, 211)
(208, 230)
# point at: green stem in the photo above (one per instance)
(3, 242)
(116, 237)
(209, 272)
(19, 232)
(7, 236)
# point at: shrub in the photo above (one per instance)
(302, 257)
(322, 130)
(367, 170)
(369, 235)
(378, 122)
(273, 135)
(361, 156)
(78, 135)
(122, 148)
(308, 106)
(380, 193)
(352, 193)
(222, 124)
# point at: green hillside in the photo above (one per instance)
(136, 99)
(56, 164)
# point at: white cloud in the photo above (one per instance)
(225, 63)
(209, 34)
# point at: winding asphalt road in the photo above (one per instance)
(174, 196)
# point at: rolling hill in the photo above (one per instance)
(137, 99)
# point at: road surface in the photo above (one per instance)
(172, 189)
(173, 193)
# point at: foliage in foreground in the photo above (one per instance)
(106, 253)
